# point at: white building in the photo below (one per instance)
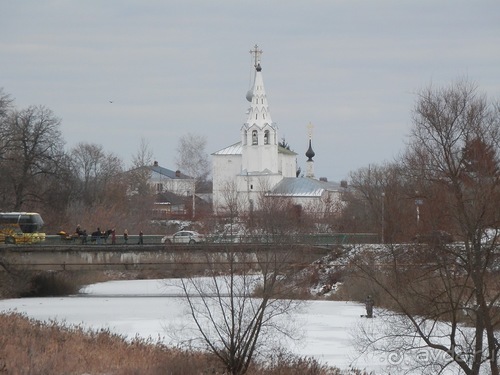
(172, 188)
(257, 165)
(166, 180)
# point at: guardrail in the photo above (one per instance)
(307, 239)
(322, 239)
(55, 239)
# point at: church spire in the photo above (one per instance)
(258, 112)
(310, 154)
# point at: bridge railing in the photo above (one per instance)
(309, 239)
(132, 240)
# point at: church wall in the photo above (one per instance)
(288, 165)
(225, 168)
(252, 187)
(260, 158)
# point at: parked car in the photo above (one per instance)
(184, 236)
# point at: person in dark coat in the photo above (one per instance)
(369, 306)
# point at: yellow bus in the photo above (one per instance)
(21, 227)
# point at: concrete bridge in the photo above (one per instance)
(75, 257)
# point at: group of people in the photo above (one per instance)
(100, 235)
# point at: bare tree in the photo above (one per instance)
(232, 202)
(192, 160)
(140, 173)
(384, 198)
(32, 150)
(97, 172)
(144, 155)
(454, 153)
(240, 311)
(5, 103)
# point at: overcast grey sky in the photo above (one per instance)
(349, 67)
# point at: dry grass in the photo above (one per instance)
(31, 347)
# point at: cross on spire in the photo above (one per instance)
(310, 128)
(256, 52)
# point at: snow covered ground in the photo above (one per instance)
(148, 308)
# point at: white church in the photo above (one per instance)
(258, 166)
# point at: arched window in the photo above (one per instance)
(254, 137)
(266, 137)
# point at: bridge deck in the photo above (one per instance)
(149, 256)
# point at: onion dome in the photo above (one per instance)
(310, 153)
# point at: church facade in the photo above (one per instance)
(258, 166)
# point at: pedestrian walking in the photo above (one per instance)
(141, 238)
(125, 236)
(369, 306)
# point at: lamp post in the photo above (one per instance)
(418, 202)
(192, 193)
(383, 226)
(194, 197)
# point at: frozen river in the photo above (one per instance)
(146, 308)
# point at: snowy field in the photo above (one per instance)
(148, 308)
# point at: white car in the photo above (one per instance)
(184, 236)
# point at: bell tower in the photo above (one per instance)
(259, 135)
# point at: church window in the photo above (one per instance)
(266, 137)
(254, 137)
(251, 187)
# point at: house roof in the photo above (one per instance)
(168, 172)
(303, 187)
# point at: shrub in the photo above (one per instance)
(51, 284)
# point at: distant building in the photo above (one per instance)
(258, 166)
(167, 180)
(173, 189)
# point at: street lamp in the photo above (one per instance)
(418, 202)
(383, 199)
(192, 193)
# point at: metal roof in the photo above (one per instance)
(303, 187)
(163, 171)
(230, 150)
(168, 172)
